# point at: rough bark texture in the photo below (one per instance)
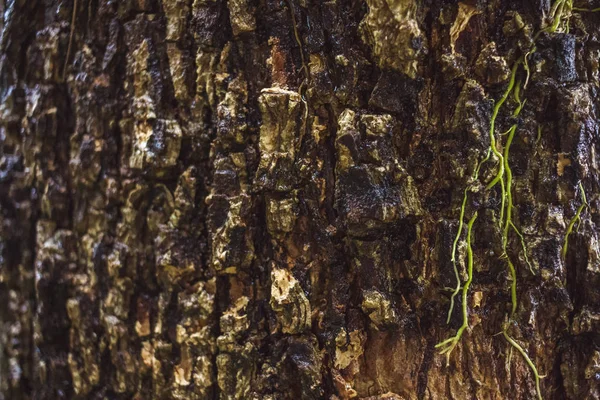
(258, 199)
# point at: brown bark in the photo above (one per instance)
(258, 199)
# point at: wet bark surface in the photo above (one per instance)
(258, 199)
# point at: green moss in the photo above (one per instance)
(454, 246)
(559, 15)
(504, 177)
(523, 247)
(449, 344)
(586, 9)
(574, 220)
(459, 232)
(528, 361)
(493, 144)
(508, 223)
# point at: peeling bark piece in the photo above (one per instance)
(241, 16)
(142, 105)
(491, 67)
(279, 135)
(289, 302)
(232, 246)
(281, 215)
(206, 67)
(349, 348)
(378, 308)
(179, 65)
(177, 12)
(391, 29)
(235, 362)
(463, 16)
(231, 114)
(155, 146)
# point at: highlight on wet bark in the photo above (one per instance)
(449, 344)
(576, 219)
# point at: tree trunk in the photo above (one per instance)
(261, 199)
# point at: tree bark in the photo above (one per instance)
(260, 199)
